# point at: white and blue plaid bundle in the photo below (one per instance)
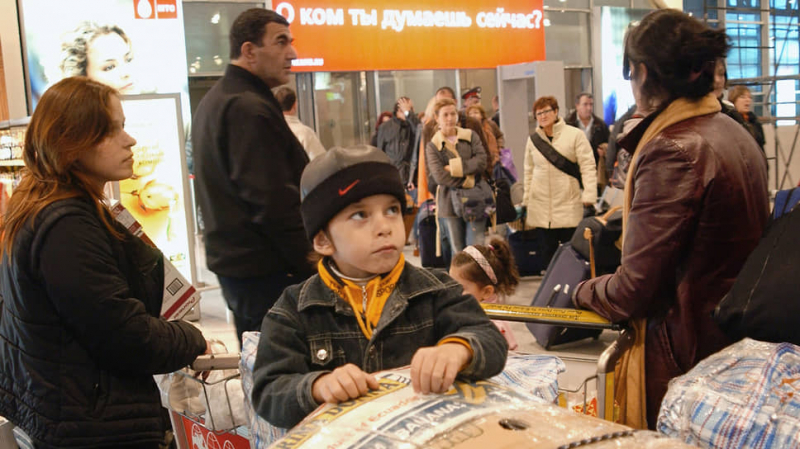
(745, 396)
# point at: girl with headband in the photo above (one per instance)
(489, 273)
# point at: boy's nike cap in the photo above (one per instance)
(342, 176)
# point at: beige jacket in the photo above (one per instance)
(553, 198)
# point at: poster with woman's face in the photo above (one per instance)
(135, 46)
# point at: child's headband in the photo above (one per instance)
(482, 262)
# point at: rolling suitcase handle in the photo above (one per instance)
(587, 234)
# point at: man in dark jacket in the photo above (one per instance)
(396, 137)
(248, 165)
(593, 126)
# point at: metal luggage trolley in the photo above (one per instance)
(581, 319)
(218, 427)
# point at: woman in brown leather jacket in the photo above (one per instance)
(695, 201)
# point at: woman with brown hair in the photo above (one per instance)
(457, 161)
(80, 335)
(742, 100)
(695, 207)
(495, 139)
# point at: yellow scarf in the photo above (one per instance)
(373, 295)
(630, 371)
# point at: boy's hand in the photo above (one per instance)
(342, 384)
(434, 369)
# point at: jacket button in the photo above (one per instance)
(322, 354)
(372, 351)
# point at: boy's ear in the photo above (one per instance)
(323, 244)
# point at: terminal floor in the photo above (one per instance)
(580, 357)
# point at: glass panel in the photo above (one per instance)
(486, 79)
(744, 59)
(641, 4)
(555, 4)
(622, 3)
(207, 25)
(576, 81)
(418, 85)
(340, 99)
(567, 37)
(784, 33)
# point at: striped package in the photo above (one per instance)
(745, 396)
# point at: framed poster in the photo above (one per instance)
(157, 195)
(134, 46)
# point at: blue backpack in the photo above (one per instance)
(785, 201)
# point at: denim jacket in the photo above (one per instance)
(311, 331)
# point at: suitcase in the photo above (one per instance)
(565, 272)
(605, 232)
(427, 237)
(527, 246)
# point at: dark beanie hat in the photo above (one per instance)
(342, 176)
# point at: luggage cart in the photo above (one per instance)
(203, 430)
(581, 319)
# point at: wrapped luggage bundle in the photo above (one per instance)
(745, 396)
(471, 415)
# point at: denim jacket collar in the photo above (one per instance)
(413, 282)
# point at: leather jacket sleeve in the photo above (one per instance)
(662, 217)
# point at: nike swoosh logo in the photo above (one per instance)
(343, 192)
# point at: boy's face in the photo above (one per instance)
(366, 237)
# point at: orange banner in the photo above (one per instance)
(352, 35)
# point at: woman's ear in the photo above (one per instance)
(323, 244)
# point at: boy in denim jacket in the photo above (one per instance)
(366, 310)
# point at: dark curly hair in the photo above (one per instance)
(679, 52)
(499, 255)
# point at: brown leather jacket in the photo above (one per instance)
(699, 208)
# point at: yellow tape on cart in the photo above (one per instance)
(523, 313)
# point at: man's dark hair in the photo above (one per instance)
(583, 94)
(448, 90)
(251, 26)
(286, 98)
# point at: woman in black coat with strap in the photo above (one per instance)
(80, 332)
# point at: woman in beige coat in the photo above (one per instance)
(456, 159)
(554, 199)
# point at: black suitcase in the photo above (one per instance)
(606, 232)
(565, 272)
(527, 246)
(427, 237)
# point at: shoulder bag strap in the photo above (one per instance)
(557, 159)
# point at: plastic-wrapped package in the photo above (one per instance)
(474, 415)
(535, 374)
(262, 433)
(513, 409)
(745, 396)
(216, 400)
